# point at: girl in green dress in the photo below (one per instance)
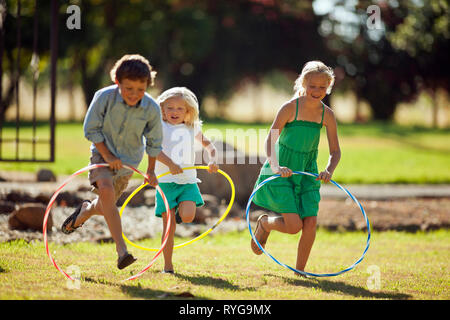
(291, 145)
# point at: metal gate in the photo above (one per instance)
(12, 140)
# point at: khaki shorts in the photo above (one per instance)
(120, 181)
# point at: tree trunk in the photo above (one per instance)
(435, 108)
(90, 83)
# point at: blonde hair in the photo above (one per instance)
(310, 68)
(192, 113)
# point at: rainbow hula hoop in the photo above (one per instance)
(53, 198)
(293, 269)
(200, 236)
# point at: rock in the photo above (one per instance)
(243, 170)
(6, 207)
(29, 216)
(202, 214)
(210, 200)
(236, 211)
(43, 198)
(19, 197)
(68, 199)
(45, 175)
(137, 200)
(145, 196)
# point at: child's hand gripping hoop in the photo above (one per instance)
(53, 198)
(293, 269)
(224, 215)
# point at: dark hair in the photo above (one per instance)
(133, 67)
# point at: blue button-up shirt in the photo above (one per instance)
(122, 128)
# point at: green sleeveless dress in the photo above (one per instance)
(297, 149)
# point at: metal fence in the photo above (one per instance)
(13, 142)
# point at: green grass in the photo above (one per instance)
(222, 266)
(371, 153)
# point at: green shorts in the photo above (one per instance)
(176, 193)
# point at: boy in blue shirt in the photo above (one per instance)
(118, 119)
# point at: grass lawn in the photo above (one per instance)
(371, 153)
(222, 266)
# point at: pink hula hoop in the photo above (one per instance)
(53, 198)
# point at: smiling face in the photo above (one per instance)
(174, 110)
(316, 85)
(132, 91)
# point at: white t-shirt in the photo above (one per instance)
(179, 145)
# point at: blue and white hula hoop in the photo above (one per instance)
(293, 269)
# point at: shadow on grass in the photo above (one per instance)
(212, 282)
(136, 290)
(333, 286)
(147, 293)
(132, 290)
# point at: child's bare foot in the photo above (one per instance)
(168, 272)
(261, 235)
(302, 275)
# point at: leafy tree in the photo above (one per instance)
(207, 45)
(424, 34)
(378, 62)
(368, 64)
(212, 45)
(247, 40)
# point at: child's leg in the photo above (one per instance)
(186, 210)
(168, 249)
(94, 207)
(306, 241)
(107, 202)
(288, 223)
(88, 210)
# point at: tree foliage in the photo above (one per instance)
(210, 46)
(392, 62)
(424, 34)
(207, 45)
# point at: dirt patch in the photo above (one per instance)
(341, 214)
(409, 215)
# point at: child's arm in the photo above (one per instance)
(333, 144)
(283, 116)
(151, 176)
(93, 128)
(153, 140)
(173, 167)
(212, 152)
(114, 162)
